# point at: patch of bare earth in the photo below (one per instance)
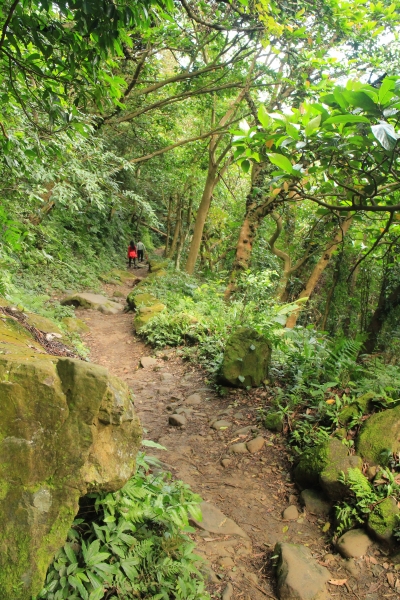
(251, 489)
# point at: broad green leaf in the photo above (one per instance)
(263, 116)
(385, 134)
(151, 444)
(241, 378)
(386, 90)
(312, 125)
(70, 554)
(97, 594)
(282, 162)
(245, 164)
(346, 119)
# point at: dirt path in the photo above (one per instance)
(251, 489)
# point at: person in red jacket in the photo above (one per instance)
(132, 254)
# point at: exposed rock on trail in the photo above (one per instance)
(94, 301)
(66, 427)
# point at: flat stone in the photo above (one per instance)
(244, 430)
(315, 502)
(353, 543)
(177, 420)
(239, 448)
(221, 424)
(226, 562)
(226, 462)
(227, 594)
(256, 444)
(194, 399)
(215, 521)
(93, 301)
(166, 376)
(147, 361)
(300, 577)
(239, 415)
(290, 513)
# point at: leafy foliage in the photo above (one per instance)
(136, 545)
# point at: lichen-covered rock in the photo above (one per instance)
(246, 359)
(380, 433)
(136, 300)
(322, 466)
(42, 323)
(73, 325)
(157, 265)
(93, 301)
(384, 519)
(273, 421)
(300, 577)
(363, 404)
(145, 313)
(338, 461)
(67, 427)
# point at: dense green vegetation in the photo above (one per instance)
(257, 144)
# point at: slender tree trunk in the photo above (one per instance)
(351, 289)
(328, 303)
(201, 217)
(178, 224)
(385, 306)
(319, 269)
(257, 207)
(184, 233)
(168, 225)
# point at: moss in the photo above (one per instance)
(379, 434)
(74, 325)
(338, 461)
(384, 519)
(145, 314)
(42, 323)
(273, 421)
(246, 359)
(311, 464)
(158, 265)
(136, 300)
(361, 404)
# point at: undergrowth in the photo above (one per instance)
(136, 545)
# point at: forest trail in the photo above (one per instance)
(251, 489)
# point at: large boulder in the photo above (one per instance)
(93, 301)
(300, 577)
(322, 466)
(246, 359)
(136, 300)
(380, 434)
(158, 265)
(67, 427)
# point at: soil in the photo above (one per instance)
(252, 489)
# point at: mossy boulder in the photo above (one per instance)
(322, 466)
(67, 427)
(363, 404)
(74, 325)
(384, 519)
(246, 359)
(157, 265)
(146, 313)
(273, 421)
(122, 275)
(136, 300)
(42, 323)
(379, 434)
(93, 301)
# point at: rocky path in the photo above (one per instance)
(251, 489)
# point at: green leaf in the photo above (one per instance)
(241, 378)
(282, 162)
(386, 90)
(151, 444)
(346, 119)
(385, 134)
(252, 347)
(245, 164)
(313, 125)
(70, 554)
(263, 116)
(97, 594)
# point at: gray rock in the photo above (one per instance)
(300, 577)
(221, 424)
(255, 445)
(177, 420)
(147, 361)
(228, 592)
(194, 399)
(215, 521)
(239, 448)
(290, 513)
(315, 502)
(353, 544)
(166, 376)
(246, 359)
(93, 301)
(244, 430)
(239, 415)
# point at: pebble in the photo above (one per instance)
(256, 444)
(177, 420)
(221, 424)
(239, 448)
(147, 361)
(291, 513)
(353, 543)
(239, 415)
(225, 462)
(226, 562)
(166, 376)
(329, 558)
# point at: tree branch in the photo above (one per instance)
(192, 16)
(7, 22)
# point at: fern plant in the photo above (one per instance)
(136, 546)
(342, 356)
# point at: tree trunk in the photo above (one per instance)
(201, 217)
(319, 269)
(382, 311)
(168, 225)
(328, 303)
(257, 207)
(178, 224)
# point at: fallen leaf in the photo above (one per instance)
(390, 578)
(373, 560)
(285, 529)
(326, 527)
(337, 581)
